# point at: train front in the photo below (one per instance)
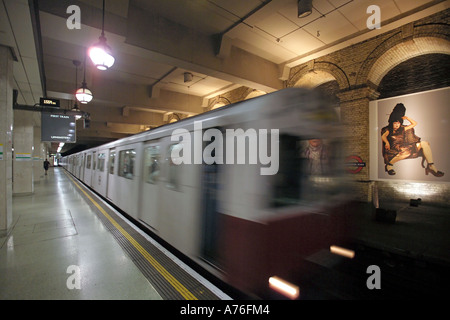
(274, 223)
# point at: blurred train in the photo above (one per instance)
(239, 224)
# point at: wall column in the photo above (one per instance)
(23, 150)
(39, 153)
(354, 104)
(6, 128)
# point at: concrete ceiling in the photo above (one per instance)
(224, 44)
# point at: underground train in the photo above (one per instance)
(246, 191)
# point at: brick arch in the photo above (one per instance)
(314, 78)
(404, 51)
(321, 73)
(255, 93)
(411, 32)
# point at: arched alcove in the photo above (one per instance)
(403, 52)
(323, 82)
(425, 72)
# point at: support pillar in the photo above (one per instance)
(38, 155)
(23, 150)
(354, 104)
(6, 130)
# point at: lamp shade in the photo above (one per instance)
(304, 8)
(84, 95)
(100, 54)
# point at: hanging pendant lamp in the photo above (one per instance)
(100, 53)
(304, 8)
(84, 95)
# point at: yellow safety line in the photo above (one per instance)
(171, 279)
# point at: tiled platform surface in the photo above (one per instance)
(55, 232)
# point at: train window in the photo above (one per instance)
(307, 171)
(101, 162)
(151, 164)
(112, 157)
(126, 163)
(173, 179)
(88, 163)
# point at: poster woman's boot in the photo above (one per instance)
(391, 171)
(428, 169)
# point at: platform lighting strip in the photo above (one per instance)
(171, 279)
(342, 252)
(288, 289)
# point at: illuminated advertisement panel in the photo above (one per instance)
(410, 137)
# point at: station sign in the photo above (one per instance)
(58, 127)
(354, 164)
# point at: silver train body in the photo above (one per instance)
(237, 223)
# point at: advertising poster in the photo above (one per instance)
(410, 137)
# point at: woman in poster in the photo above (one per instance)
(400, 142)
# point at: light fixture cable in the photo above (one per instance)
(84, 95)
(76, 64)
(100, 53)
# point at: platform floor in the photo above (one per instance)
(60, 248)
(420, 232)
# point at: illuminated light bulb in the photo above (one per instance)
(100, 55)
(84, 95)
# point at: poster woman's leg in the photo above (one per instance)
(431, 168)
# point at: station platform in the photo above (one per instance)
(67, 243)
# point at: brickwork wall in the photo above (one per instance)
(426, 72)
(434, 194)
(236, 95)
(359, 71)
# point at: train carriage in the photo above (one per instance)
(241, 188)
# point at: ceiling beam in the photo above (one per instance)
(171, 43)
(186, 48)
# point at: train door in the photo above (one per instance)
(76, 167)
(82, 166)
(150, 190)
(99, 183)
(110, 187)
(93, 168)
(87, 169)
(128, 179)
(210, 189)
